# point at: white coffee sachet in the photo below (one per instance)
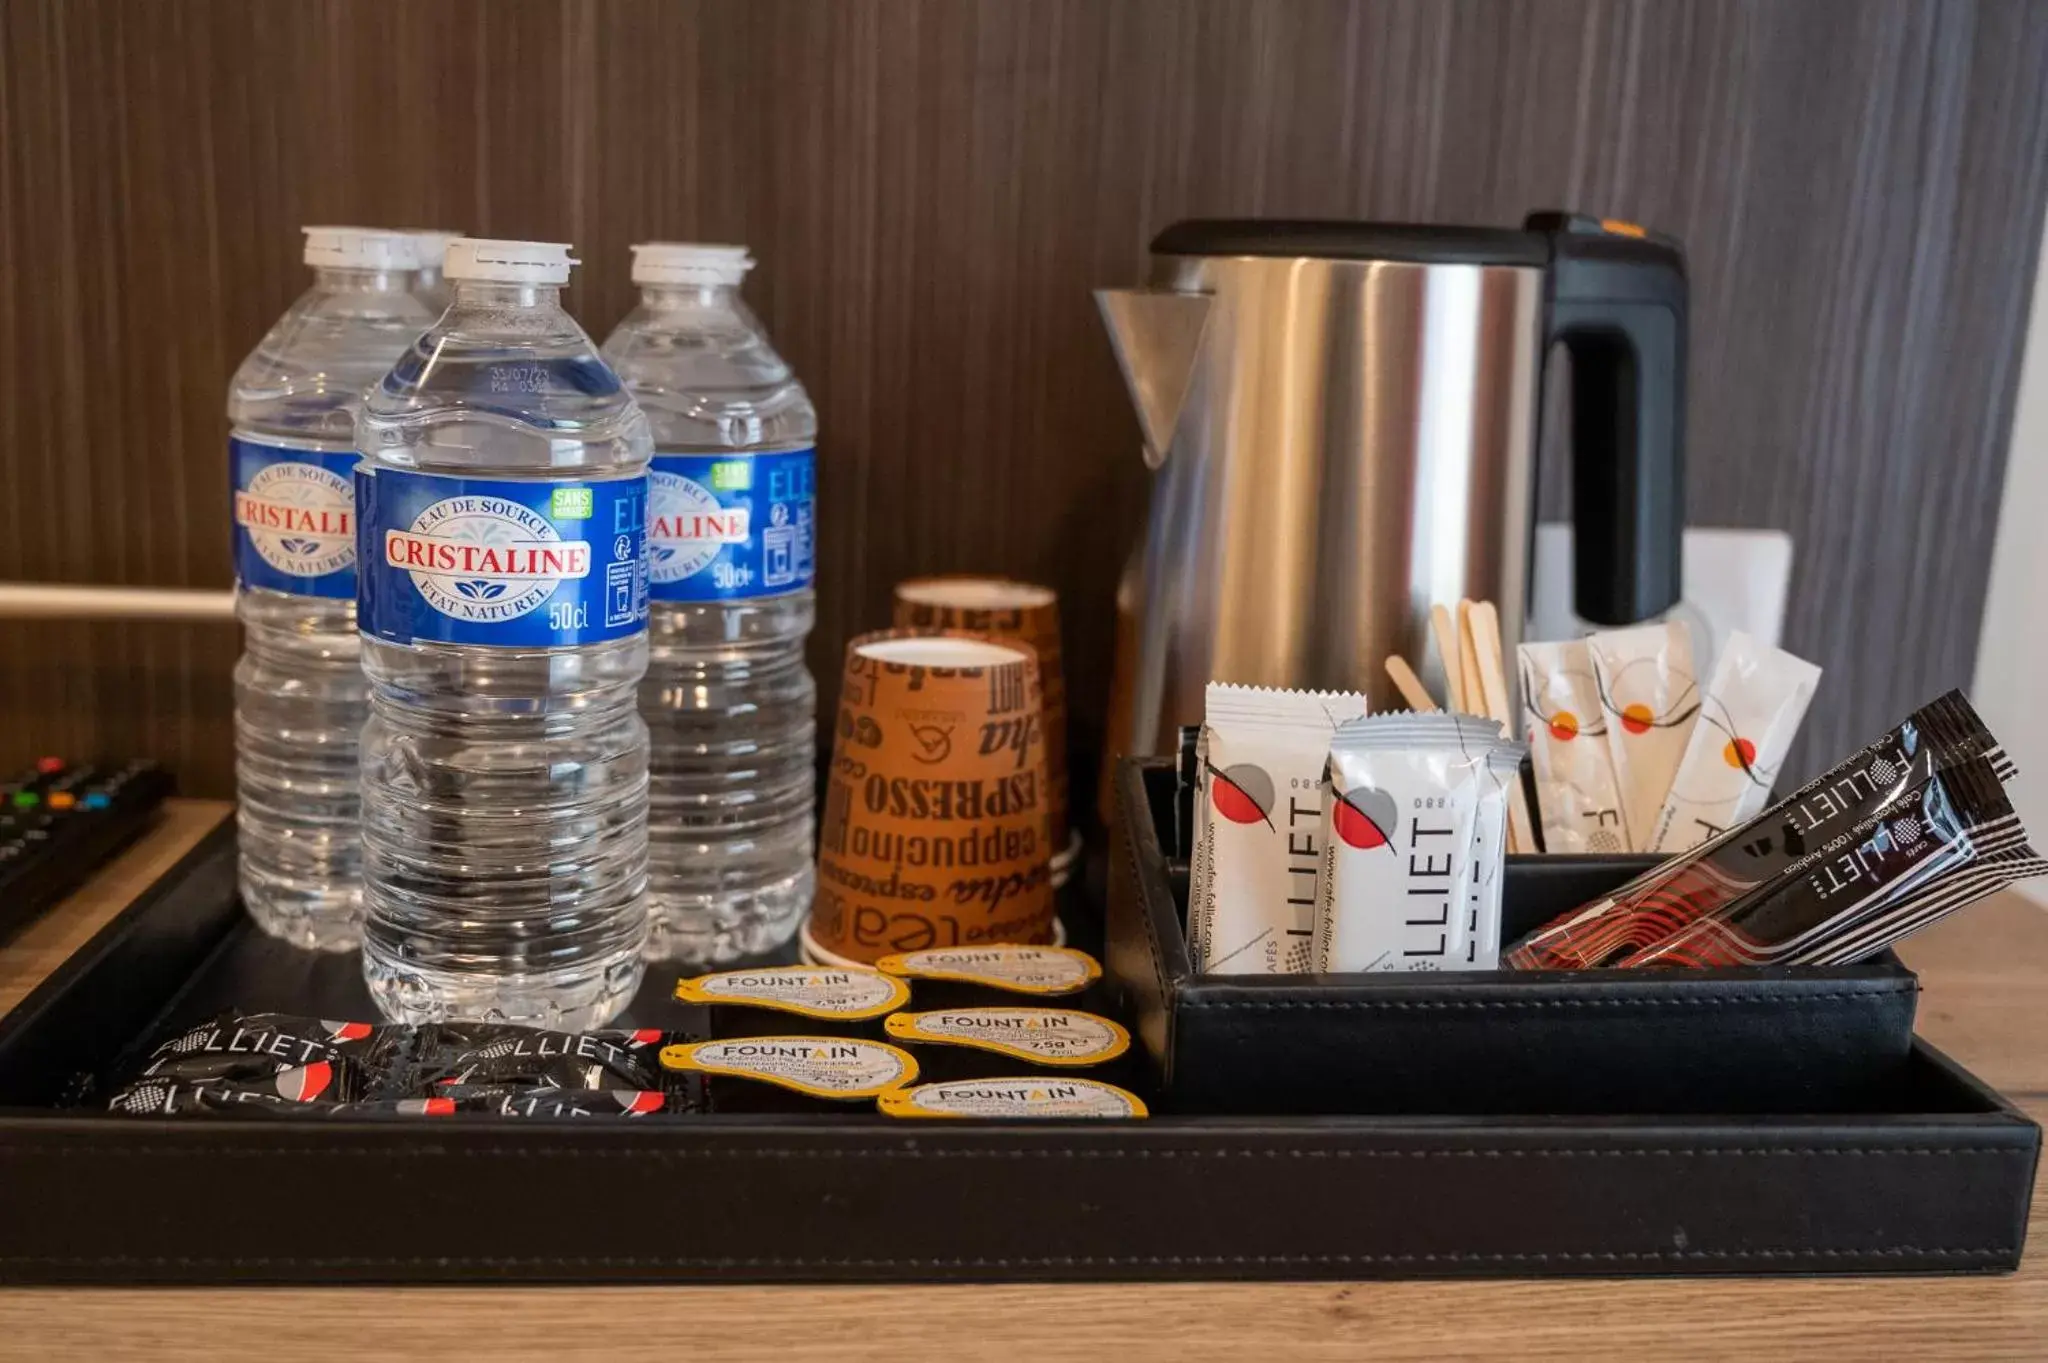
(1577, 798)
(1414, 821)
(1751, 713)
(1489, 858)
(1651, 699)
(1259, 826)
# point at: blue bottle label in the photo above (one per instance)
(724, 527)
(501, 562)
(295, 518)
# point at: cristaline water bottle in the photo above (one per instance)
(728, 700)
(504, 621)
(299, 694)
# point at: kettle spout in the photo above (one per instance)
(1156, 335)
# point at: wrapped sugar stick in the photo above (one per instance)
(1258, 852)
(1816, 819)
(1415, 828)
(1751, 711)
(1651, 700)
(1957, 821)
(1576, 795)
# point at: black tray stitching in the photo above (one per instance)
(1129, 844)
(1440, 1005)
(658, 1152)
(1873, 1254)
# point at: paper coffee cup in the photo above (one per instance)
(935, 830)
(1029, 614)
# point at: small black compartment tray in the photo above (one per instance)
(1929, 1171)
(1778, 1039)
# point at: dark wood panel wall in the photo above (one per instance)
(933, 186)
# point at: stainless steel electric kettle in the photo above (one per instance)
(1343, 418)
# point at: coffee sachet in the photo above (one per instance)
(1954, 820)
(1577, 798)
(169, 1098)
(1489, 857)
(320, 1083)
(1258, 846)
(249, 1046)
(1415, 811)
(502, 1053)
(1748, 718)
(1865, 938)
(529, 1100)
(1652, 700)
(1936, 737)
(279, 1064)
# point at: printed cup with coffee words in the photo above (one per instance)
(936, 827)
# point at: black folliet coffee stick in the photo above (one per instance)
(1901, 920)
(1954, 820)
(1792, 834)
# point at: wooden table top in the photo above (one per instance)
(1986, 1003)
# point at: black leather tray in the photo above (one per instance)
(1787, 1039)
(1930, 1172)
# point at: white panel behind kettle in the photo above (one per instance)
(1734, 579)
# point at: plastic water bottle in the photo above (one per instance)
(300, 700)
(731, 707)
(504, 615)
(431, 244)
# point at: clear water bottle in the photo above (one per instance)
(503, 608)
(300, 700)
(431, 244)
(730, 704)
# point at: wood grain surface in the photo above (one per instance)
(44, 944)
(1986, 1002)
(933, 186)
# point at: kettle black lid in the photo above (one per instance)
(1414, 243)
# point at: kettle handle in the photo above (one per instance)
(1617, 303)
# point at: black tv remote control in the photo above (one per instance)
(60, 821)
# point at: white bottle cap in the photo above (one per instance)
(508, 262)
(361, 248)
(679, 262)
(432, 243)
